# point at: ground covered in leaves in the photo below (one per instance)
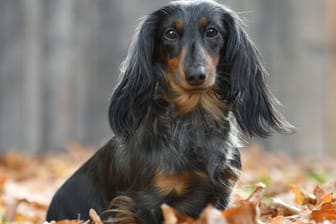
(272, 189)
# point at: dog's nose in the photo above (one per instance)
(195, 75)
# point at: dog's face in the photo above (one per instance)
(203, 60)
(190, 47)
(191, 40)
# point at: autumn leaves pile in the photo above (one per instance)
(272, 189)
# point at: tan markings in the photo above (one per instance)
(210, 103)
(183, 98)
(183, 101)
(177, 183)
(179, 24)
(173, 64)
(121, 210)
(203, 21)
(186, 102)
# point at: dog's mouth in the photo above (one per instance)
(202, 88)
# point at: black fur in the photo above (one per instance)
(156, 146)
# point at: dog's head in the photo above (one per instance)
(202, 59)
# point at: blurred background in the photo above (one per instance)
(59, 62)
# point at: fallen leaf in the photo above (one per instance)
(212, 215)
(95, 217)
(319, 192)
(258, 193)
(286, 209)
(171, 216)
(69, 222)
(246, 213)
(3, 179)
(326, 212)
(325, 199)
(298, 193)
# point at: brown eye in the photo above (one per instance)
(171, 34)
(211, 32)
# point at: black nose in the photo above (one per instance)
(195, 75)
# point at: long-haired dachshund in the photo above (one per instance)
(192, 84)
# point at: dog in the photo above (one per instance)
(192, 85)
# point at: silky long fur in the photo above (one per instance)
(158, 154)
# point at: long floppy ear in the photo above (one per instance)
(132, 96)
(254, 106)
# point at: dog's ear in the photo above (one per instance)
(132, 96)
(254, 106)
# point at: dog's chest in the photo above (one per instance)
(178, 184)
(197, 131)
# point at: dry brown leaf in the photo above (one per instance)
(3, 179)
(258, 193)
(171, 216)
(28, 183)
(246, 213)
(69, 222)
(14, 160)
(210, 215)
(325, 199)
(95, 217)
(267, 211)
(276, 220)
(326, 212)
(319, 192)
(298, 193)
(168, 214)
(284, 208)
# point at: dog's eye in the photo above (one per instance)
(211, 32)
(171, 34)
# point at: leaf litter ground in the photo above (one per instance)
(272, 189)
